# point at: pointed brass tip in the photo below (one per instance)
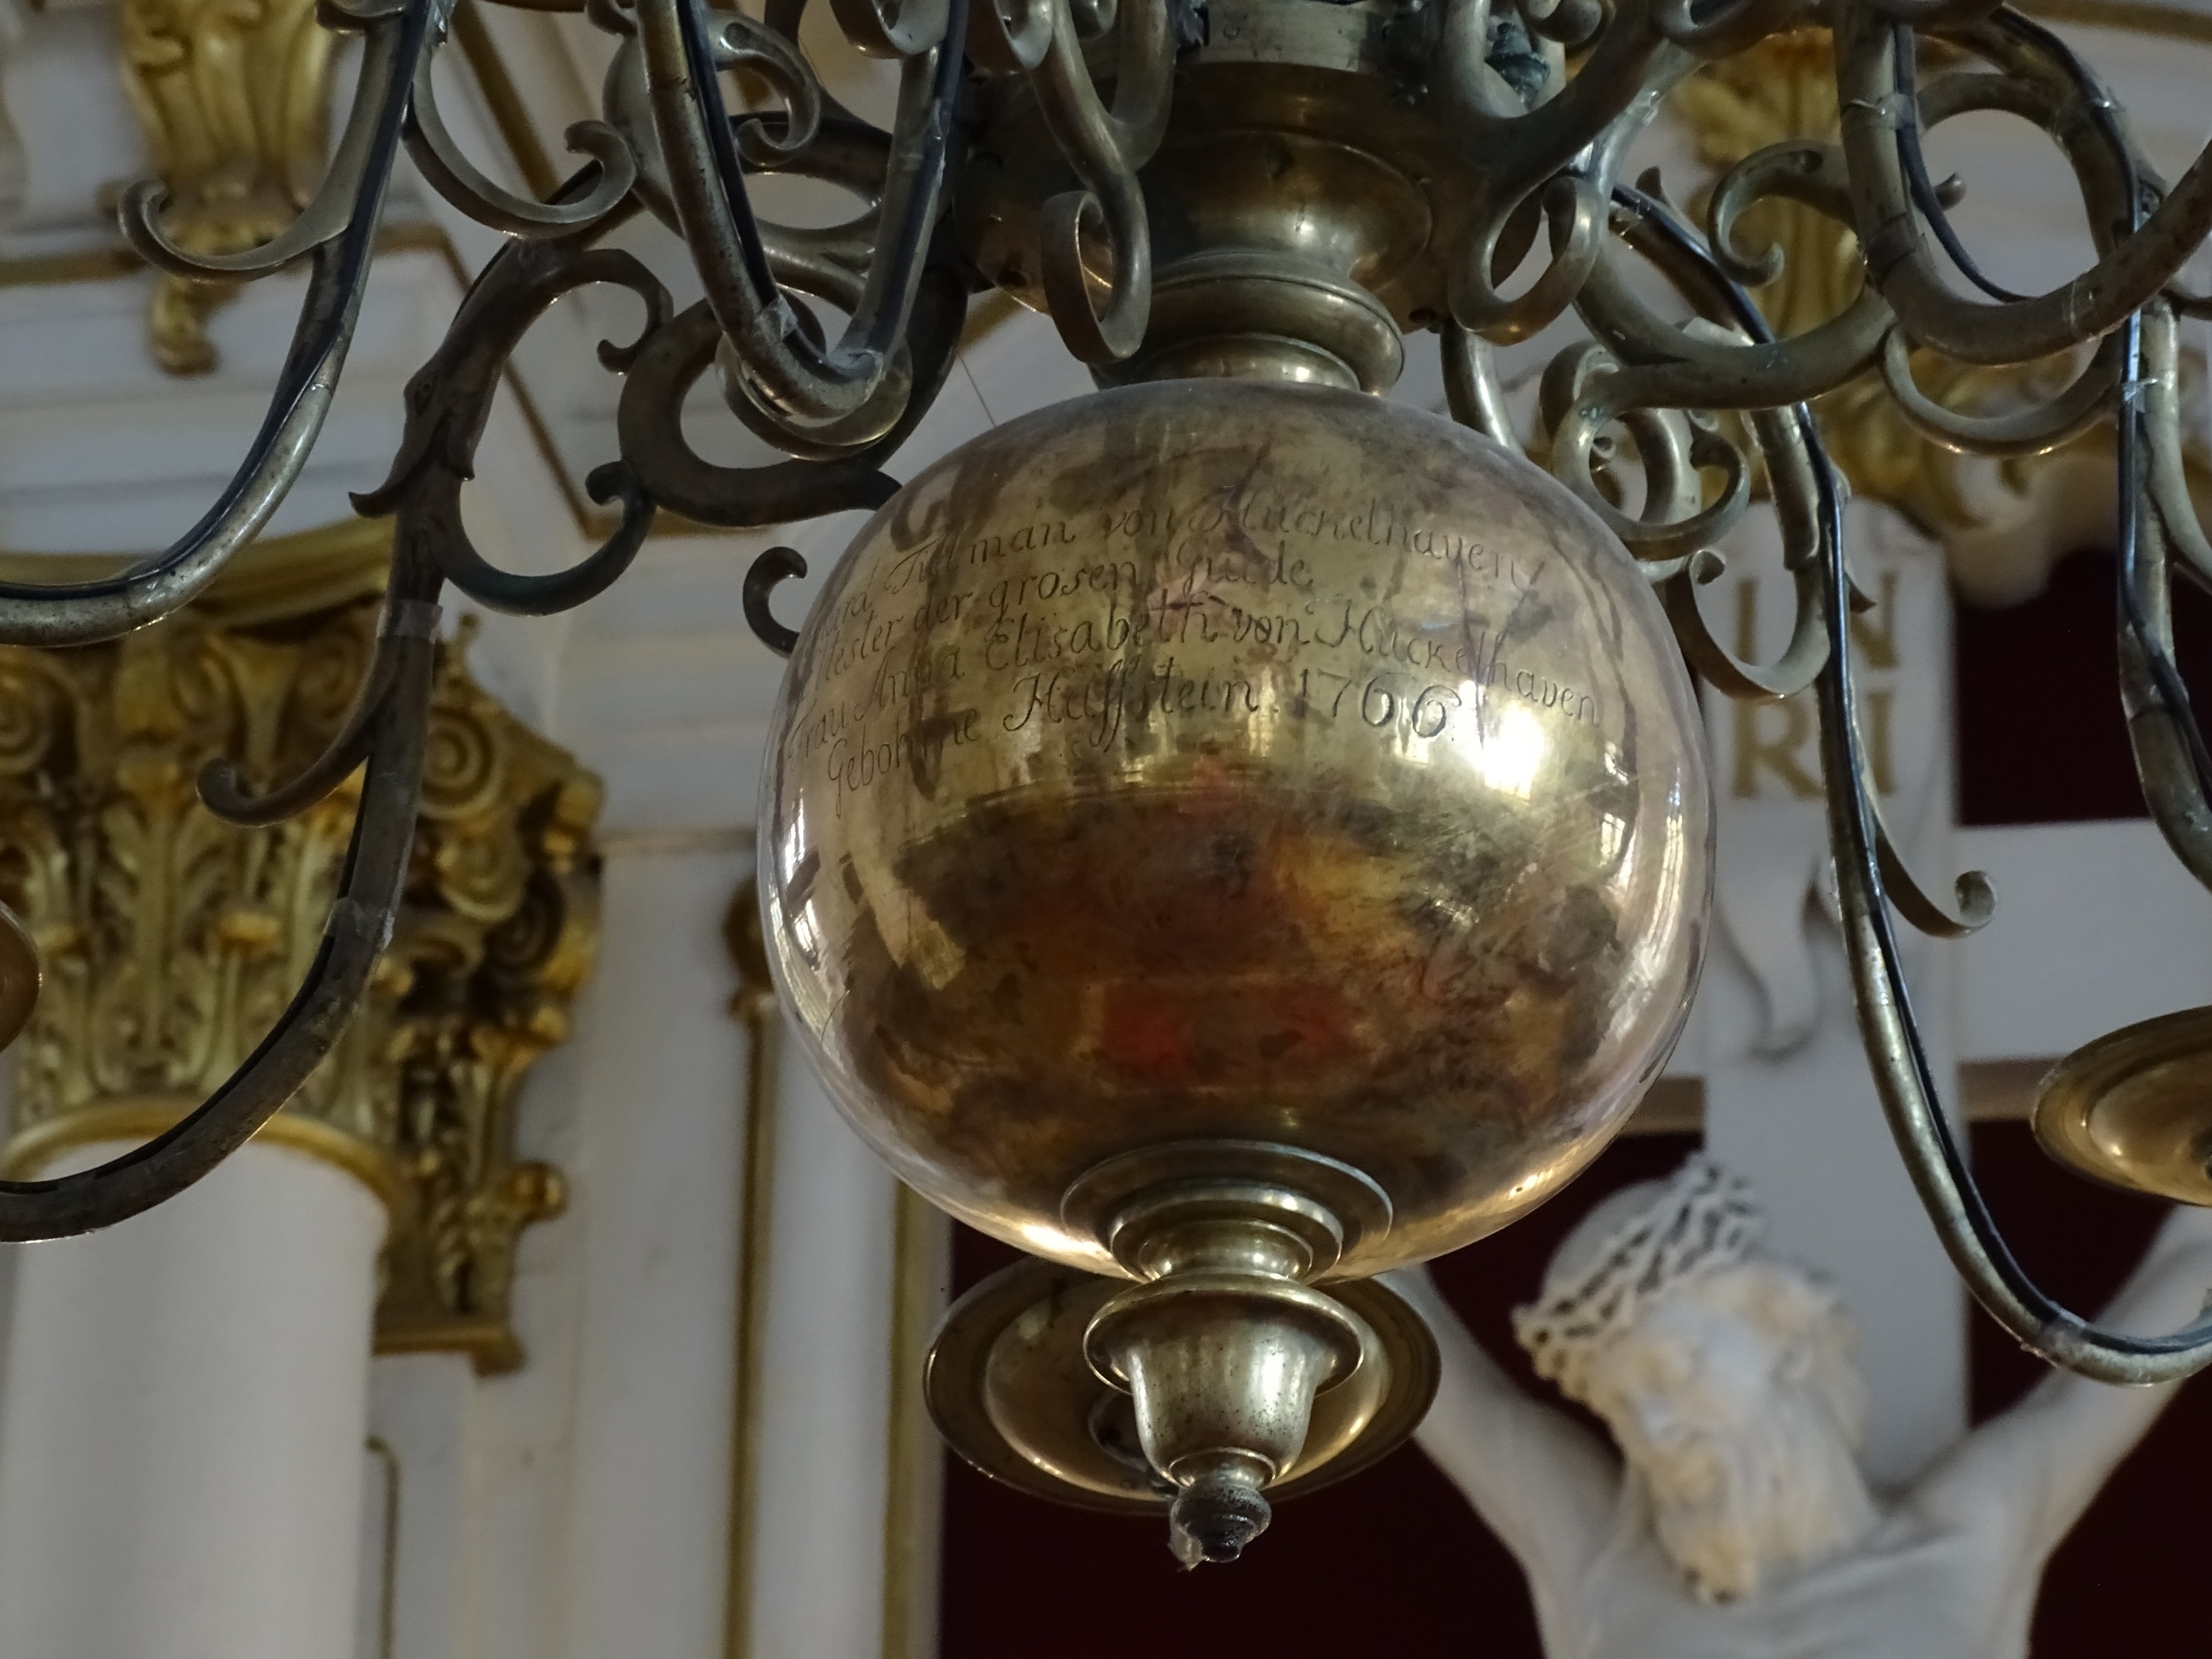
(1220, 1512)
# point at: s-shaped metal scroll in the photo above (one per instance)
(1898, 1057)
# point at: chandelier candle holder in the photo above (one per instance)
(1230, 835)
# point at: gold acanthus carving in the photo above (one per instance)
(171, 940)
(233, 96)
(1785, 88)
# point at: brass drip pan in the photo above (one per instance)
(2134, 1109)
(1011, 1389)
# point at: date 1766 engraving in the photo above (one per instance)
(1097, 630)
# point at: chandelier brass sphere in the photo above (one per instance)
(1230, 835)
(1219, 787)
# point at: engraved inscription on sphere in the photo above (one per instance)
(1214, 759)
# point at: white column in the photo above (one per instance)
(416, 1596)
(182, 1421)
(660, 1070)
(823, 1434)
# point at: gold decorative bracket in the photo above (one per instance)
(235, 99)
(171, 940)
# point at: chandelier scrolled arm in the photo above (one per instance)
(649, 421)
(2040, 77)
(448, 168)
(388, 733)
(1472, 389)
(1648, 226)
(1036, 146)
(832, 394)
(2033, 430)
(449, 400)
(1673, 526)
(338, 231)
(1872, 879)
(1104, 147)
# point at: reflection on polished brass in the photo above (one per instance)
(1233, 835)
(1223, 1348)
(1304, 214)
(1010, 1387)
(2134, 1109)
(1219, 761)
(171, 940)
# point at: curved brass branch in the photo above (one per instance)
(1574, 210)
(1683, 369)
(1781, 449)
(450, 172)
(1905, 1083)
(359, 926)
(1009, 37)
(2164, 478)
(1472, 388)
(2040, 78)
(1723, 31)
(449, 401)
(813, 266)
(78, 613)
(776, 566)
(2018, 432)
(2163, 730)
(1869, 878)
(1597, 394)
(1801, 170)
(772, 57)
(1105, 149)
(1617, 88)
(651, 424)
(1564, 23)
(892, 28)
(1973, 901)
(399, 40)
(790, 377)
(222, 790)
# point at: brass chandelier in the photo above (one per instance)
(1230, 835)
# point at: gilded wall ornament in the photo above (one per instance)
(233, 96)
(171, 940)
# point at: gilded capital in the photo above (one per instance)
(171, 939)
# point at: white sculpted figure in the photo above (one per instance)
(1736, 1523)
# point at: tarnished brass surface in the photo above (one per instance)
(1010, 1388)
(1302, 209)
(1205, 760)
(2134, 1109)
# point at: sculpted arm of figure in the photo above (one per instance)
(1541, 1482)
(2041, 1463)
